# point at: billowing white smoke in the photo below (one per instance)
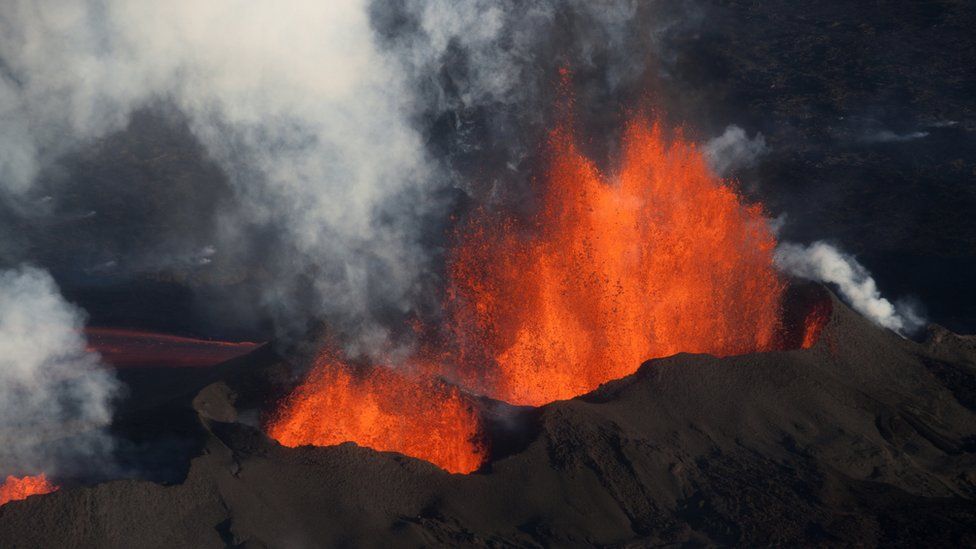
(824, 263)
(292, 98)
(55, 397)
(734, 150)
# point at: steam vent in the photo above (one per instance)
(487, 274)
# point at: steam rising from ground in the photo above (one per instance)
(55, 397)
(824, 263)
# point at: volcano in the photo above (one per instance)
(487, 274)
(864, 439)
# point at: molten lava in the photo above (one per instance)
(383, 409)
(657, 258)
(14, 488)
(814, 323)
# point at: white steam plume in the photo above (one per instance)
(824, 263)
(734, 150)
(55, 396)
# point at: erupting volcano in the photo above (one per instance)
(383, 409)
(15, 488)
(658, 258)
(468, 274)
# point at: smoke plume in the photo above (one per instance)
(824, 263)
(734, 150)
(55, 396)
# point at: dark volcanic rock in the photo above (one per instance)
(865, 439)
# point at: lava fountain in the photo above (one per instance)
(384, 409)
(15, 488)
(657, 258)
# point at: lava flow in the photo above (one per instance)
(383, 409)
(15, 488)
(126, 348)
(658, 258)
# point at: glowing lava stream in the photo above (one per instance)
(658, 259)
(127, 348)
(383, 409)
(15, 488)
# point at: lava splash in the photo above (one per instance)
(383, 409)
(14, 488)
(658, 258)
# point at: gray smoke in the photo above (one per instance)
(487, 75)
(55, 396)
(824, 263)
(734, 150)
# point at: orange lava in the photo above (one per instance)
(15, 488)
(383, 409)
(814, 323)
(657, 258)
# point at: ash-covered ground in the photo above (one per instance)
(865, 439)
